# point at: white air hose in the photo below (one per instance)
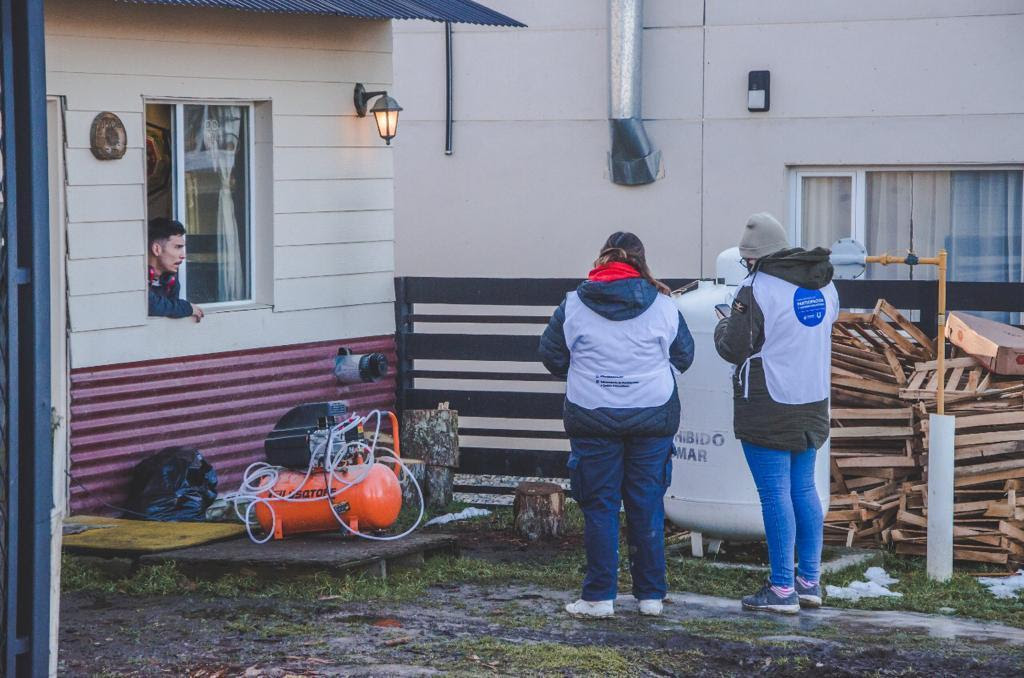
(260, 478)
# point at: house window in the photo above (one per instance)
(199, 172)
(976, 215)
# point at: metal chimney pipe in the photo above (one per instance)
(632, 160)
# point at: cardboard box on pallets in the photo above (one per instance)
(997, 346)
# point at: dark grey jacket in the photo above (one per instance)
(618, 300)
(759, 419)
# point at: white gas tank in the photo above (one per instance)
(712, 491)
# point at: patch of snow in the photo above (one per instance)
(879, 576)
(876, 586)
(1004, 587)
(465, 514)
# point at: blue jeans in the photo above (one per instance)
(605, 472)
(790, 508)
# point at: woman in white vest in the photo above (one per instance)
(616, 339)
(778, 335)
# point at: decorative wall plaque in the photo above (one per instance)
(107, 137)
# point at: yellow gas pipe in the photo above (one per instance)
(940, 363)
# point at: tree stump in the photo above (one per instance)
(440, 480)
(538, 509)
(431, 435)
(418, 470)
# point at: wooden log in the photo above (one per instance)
(418, 470)
(431, 435)
(440, 481)
(538, 509)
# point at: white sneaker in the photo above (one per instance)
(651, 607)
(591, 608)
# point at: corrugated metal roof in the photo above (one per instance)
(224, 403)
(455, 11)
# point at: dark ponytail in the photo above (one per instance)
(626, 248)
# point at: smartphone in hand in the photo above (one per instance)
(722, 310)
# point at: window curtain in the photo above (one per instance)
(825, 214)
(887, 214)
(974, 215)
(984, 237)
(213, 138)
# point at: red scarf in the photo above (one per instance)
(613, 271)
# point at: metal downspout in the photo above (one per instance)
(29, 456)
(633, 160)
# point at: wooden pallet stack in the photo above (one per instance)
(988, 512)
(988, 520)
(874, 440)
(884, 385)
(872, 455)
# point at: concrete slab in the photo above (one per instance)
(309, 553)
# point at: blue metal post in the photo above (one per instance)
(30, 446)
(10, 335)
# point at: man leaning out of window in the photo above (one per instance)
(166, 255)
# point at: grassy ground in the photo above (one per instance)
(560, 570)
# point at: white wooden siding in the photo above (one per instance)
(323, 222)
(332, 195)
(235, 330)
(310, 261)
(105, 276)
(95, 240)
(324, 131)
(330, 291)
(104, 312)
(313, 228)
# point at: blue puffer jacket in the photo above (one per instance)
(618, 300)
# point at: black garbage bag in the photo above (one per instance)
(175, 484)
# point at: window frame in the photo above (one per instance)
(858, 200)
(178, 184)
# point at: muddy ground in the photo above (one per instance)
(475, 630)
(466, 629)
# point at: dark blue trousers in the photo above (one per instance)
(605, 473)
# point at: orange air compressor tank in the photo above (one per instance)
(372, 504)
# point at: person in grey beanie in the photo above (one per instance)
(778, 334)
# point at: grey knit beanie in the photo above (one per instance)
(762, 236)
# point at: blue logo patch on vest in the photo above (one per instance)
(809, 306)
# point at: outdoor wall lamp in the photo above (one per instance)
(759, 91)
(385, 111)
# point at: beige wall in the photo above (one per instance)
(323, 192)
(526, 192)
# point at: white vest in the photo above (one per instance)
(797, 351)
(619, 363)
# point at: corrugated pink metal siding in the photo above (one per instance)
(223, 403)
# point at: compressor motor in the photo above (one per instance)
(339, 477)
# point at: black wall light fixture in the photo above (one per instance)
(758, 91)
(385, 111)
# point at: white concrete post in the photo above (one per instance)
(941, 430)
